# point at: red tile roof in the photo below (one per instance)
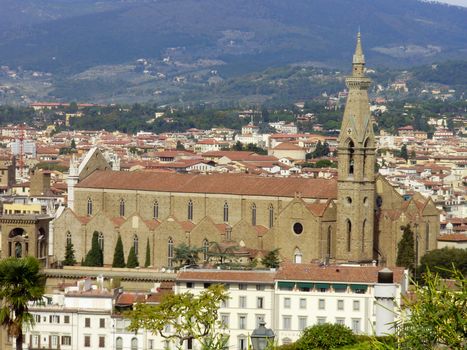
(453, 237)
(334, 273)
(237, 184)
(227, 276)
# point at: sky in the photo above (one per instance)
(455, 2)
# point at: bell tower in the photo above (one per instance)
(356, 170)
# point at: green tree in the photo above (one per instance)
(94, 257)
(406, 248)
(147, 261)
(20, 283)
(265, 115)
(326, 336)
(321, 150)
(238, 146)
(325, 163)
(72, 108)
(73, 144)
(119, 256)
(180, 146)
(69, 254)
(404, 152)
(190, 317)
(271, 259)
(186, 255)
(441, 260)
(132, 260)
(435, 316)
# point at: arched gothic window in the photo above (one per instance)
(170, 252)
(349, 234)
(363, 235)
(297, 256)
(427, 236)
(329, 242)
(155, 210)
(205, 249)
(226, 212)
(365, 155)
(351, 157)
(119, 343)
(135, 244)
(253, 214)
(100, 240)
(190, 210)
(271, 215)
(122, 207)
(68, 238)
(134, 343)
(89, 207)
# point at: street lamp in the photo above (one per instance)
(262, 336)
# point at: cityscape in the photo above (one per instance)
(306, 204)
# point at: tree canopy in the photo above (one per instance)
(271, 259)
(69, 254)
(132, 260)
(95, 256)
(20, 282)
(119, 257)
(406, 249)
(190, 317)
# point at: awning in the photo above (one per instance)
(305, 285)
(322, 285)
(339, 286)
(359, 287)
(286, 285)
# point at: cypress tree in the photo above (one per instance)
(69, 255)
(406, 248)
(147, 262)
(94, 257)
(132, 260)
(119, 257)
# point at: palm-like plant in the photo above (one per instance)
(20, 282)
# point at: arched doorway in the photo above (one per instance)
(18, 243)
(41, 243)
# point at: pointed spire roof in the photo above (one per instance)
(358, 57)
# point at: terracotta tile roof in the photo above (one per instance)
(129, 298)
(186, 225)
(334, 273)
(152, 224)
(261, 230)
(288, 146)
(221, 227)
(317, 208)
(453, 237)
(118, 220)
(84, 219)
(227, 276)
(237, 184)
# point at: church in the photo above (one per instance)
(355, 218)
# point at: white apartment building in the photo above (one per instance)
(80, 318)
(290, 299)
(293, 298)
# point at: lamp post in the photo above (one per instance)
(262, 337)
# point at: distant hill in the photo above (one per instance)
(69, 36)
(247, 51)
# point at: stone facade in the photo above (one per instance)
(358, 218)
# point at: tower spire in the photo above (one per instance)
(358, 61)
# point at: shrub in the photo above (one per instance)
(326, 336)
